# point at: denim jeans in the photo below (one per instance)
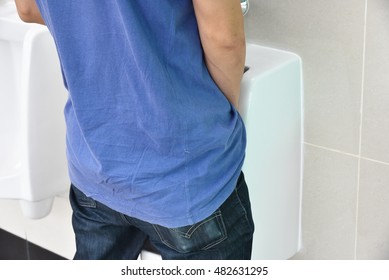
(102, 233)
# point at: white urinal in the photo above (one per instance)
(271, 105)
(32, 96)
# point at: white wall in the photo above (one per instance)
(344, 46)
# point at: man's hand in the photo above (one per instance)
(221, 28)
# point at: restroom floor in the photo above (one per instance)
(16, 248)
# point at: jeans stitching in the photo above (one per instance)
(82, 200)
(86, 204)
(164, 241)
(216, 215)
(223, 230)
(244, 209)
(193, 228)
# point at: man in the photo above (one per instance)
(155, 144)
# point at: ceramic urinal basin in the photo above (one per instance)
(32, 96)
(271, 107)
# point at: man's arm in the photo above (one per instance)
(28, 11)
(221, 28)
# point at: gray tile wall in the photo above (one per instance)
(344, 46)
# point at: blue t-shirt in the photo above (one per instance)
(149, 133)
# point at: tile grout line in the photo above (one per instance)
(374, 160)
(360, 131)
(345, 153)
(331, 149)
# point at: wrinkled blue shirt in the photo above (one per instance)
(149, 133)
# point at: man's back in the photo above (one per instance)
(149, 133)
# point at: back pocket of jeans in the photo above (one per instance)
(200, 236)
